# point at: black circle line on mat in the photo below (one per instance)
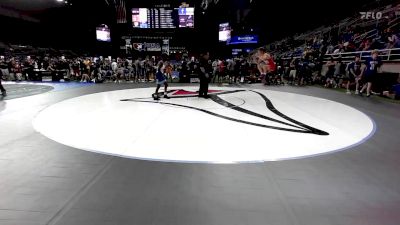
(298, 128)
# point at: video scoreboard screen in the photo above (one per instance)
(162, 18)
(224, 32)
(140, 18)
(186, 17)
(103, 33)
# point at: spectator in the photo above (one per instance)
(293, 70)
(52, 69)
(330, 73)
(76, 69)
(395, 92)
(330, 49)
(86, 70)
(215, 68)
(28, 67)
(236, 70)
(393, 40)
(348, 35)
(354, 75)
(137, 70)
(221, 71)
(338, 72)
(4, 72)
(184, 72)
(244, 70)
(17, 68)
(339, 49)
(372, 65)
(2, 67)
(366, 45)
(231, 70)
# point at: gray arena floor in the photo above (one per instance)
(43, 182)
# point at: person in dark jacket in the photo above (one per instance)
(184, 73)
(204, 75)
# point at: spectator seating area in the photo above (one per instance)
(301, 59)
(349, 35)
(304, 58)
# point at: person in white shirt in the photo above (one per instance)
(215, 67)
(114, 66)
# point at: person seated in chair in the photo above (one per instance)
(394, 93)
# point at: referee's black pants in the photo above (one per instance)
(1, 87)
(203, 92)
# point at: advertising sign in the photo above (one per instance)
(245, 39)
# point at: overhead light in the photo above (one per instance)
(60, 0)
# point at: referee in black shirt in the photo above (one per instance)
(204, 75)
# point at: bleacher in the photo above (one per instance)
(21, 50)
(363, 29)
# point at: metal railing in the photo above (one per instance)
(385, 54)
(364, 35)
(348, 22)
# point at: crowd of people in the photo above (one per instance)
(264, 67)
(98, 70)
(357, 36)
(323, 56)
(356, 76)
(360, 75)
(305, 59)
(83, 69)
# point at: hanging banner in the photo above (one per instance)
(152, 47)
(245, 39)
(165, 47)
(138, 46)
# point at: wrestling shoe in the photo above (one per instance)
(155, 97)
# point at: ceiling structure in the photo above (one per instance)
(28, 6)
(272, 20)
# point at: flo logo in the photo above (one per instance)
(372, 15)
(289, 124)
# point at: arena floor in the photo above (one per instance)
(77, 154)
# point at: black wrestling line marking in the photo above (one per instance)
(222, 102)
(300, 128)
(272, 108)
(218, 115)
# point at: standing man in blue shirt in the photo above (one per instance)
(371, 71)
